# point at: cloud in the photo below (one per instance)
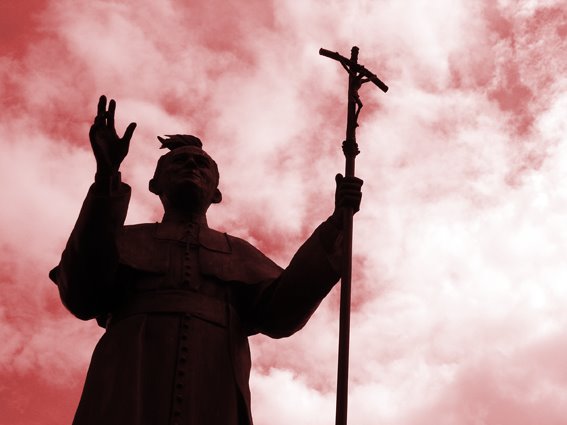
(278, 390)
(458, 294)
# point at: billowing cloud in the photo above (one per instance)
(459, 275)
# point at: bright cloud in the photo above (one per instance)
(459, 282)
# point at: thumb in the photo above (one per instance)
(338, 178)
(129, 132)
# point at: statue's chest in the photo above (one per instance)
(173, 261)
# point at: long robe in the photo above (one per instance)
(178, 303)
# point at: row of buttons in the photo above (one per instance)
(181, 372)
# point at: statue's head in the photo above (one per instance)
(186, 177)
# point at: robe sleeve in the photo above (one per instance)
(86, 273)
(283, 306)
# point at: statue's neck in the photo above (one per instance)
(177, 216)
(190, 211)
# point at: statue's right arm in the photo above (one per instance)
(87, 271)
(86, 274)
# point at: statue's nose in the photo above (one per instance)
(190, 162)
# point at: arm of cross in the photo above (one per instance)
(351, 66)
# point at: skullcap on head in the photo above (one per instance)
(175, 141)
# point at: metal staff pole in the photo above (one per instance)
(357, 75)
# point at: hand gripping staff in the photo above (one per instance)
(357, 76)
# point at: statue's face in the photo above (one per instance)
(188, 174)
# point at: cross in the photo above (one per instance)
(358, 75)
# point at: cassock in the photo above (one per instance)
(178, 302)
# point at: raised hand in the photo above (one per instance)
(109, 149)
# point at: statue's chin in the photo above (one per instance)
(186, 189)
(187, 198)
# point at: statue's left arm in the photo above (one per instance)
(283, 306)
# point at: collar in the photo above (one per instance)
(208, 238)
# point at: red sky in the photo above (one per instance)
(460, 280)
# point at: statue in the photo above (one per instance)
(178, 300)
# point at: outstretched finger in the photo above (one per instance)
(110, 115)
(129, 132)
(101, 110)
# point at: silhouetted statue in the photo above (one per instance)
(178, 299)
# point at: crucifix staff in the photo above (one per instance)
(357, 76)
